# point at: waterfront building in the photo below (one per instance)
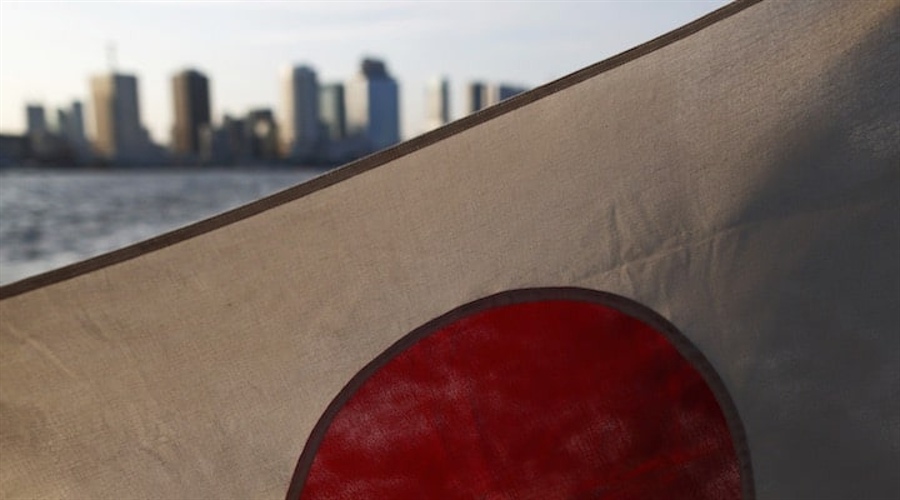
(481, 95)
(227, 144)
(476, 95)
(437, 103)
(119, 136)
(505, 91)
(300, 112)
(62, 121)
(14, 149)
(262, 134)
(75, 128)
(237, 140)
(69, 128)
(333, 112)
(190, 89)
(36, 120)
(213, 145)
(495, 93)
(70, 122)
(373, 107)
(339, 145)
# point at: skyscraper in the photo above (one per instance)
(262, 134)
(332, 111)
(437, 103)
(505, 91)
(373, 108)
(477, 98)
(481, 95)
(300, 111)
(36, 121)
(70, 130)
(191, 96)
(75, 129)
(119, 134)
(62, 121)
(70, 123)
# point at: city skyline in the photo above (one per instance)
(50, 50)
(301, 133)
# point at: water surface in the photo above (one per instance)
(49, 219)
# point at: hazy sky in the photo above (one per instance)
(48, 50)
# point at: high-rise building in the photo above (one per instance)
(48, 135)
(76, 121)
(70, 123)
(437, 103)
(36, 120)
(119, 135)
(262, 134)
(237, 140)
(192, 110)
(373, 106)
(300, 112)
(505, 91)
(482, 95)
(70, 128)
(332, 111)
(476, 93)
(62, 121)
(75, 130)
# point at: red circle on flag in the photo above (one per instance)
(544, 398)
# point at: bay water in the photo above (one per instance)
(51, 218)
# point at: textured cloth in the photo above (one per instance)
(742, 180)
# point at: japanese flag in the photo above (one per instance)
(673, 274)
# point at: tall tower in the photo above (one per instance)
(300, 112)
(76, 122)
(191, 97)
(437, 103)
(36, 120)
(505, 91)
(262, 134)
(482, 95)
(476, 92)
(373, 107)
(119, 135)
(70, 126)
(332, 111)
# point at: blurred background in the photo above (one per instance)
(123, 120)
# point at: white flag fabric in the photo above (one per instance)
(739, 179)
